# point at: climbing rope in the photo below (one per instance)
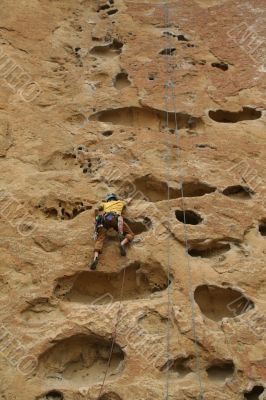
(114, 334)
(170, 84)
(169, 294)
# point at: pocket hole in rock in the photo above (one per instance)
(80, 358)
(152, 189)
(262, 228)
(139, 226)
(215, 250)
(180, 366)
(110, 396)
(112, 11)
(196, 189)
(169, 34)
(188, 217)
(175, 35)
(168, 52)
(238, 192)
(206, 145)
(112, 49)
(50, 212)
(121, 81)
(107, 133)
(117, 45)
(144, 117)
(254, 393)
(246, 114)
(76, 119)
(52, 395)
(221, 65)
(220, 371)
(182, 38)
(217, 302)
(151, 77)
(141, 280)
(103, 7)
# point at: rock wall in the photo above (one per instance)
(92, 94)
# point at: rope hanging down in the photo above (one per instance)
(114, 334)
(170, 87)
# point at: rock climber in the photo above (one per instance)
(109, 216)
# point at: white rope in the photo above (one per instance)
(114, 334)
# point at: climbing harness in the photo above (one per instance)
(109, 220)
(170, 87)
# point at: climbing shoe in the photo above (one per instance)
(94, 264)
(122, 250)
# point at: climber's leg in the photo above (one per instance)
(101, 235)
(120, 223)
(129, 235)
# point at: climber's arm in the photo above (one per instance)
(98, 210)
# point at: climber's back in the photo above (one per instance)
(114, 206)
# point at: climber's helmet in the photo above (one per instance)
(111, 197)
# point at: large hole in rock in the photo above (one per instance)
(217, 302)
(52, 395)
(188, 217)
(246, 114)
(151, 189)
(100, 288)
(80, 358)
(139, 226)
(110, 396)
(107, 50)
(121, 81)
(262, 228)
(238, 192)
(179, 367)
(197, 189)
(144, 118)
(219, 371)
(213, 250)
(254, 393)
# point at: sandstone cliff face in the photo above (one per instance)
(101, 75)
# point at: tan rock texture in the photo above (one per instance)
(164, 102)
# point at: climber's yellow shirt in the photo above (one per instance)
(116, 206)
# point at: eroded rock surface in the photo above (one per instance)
(105, 96)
